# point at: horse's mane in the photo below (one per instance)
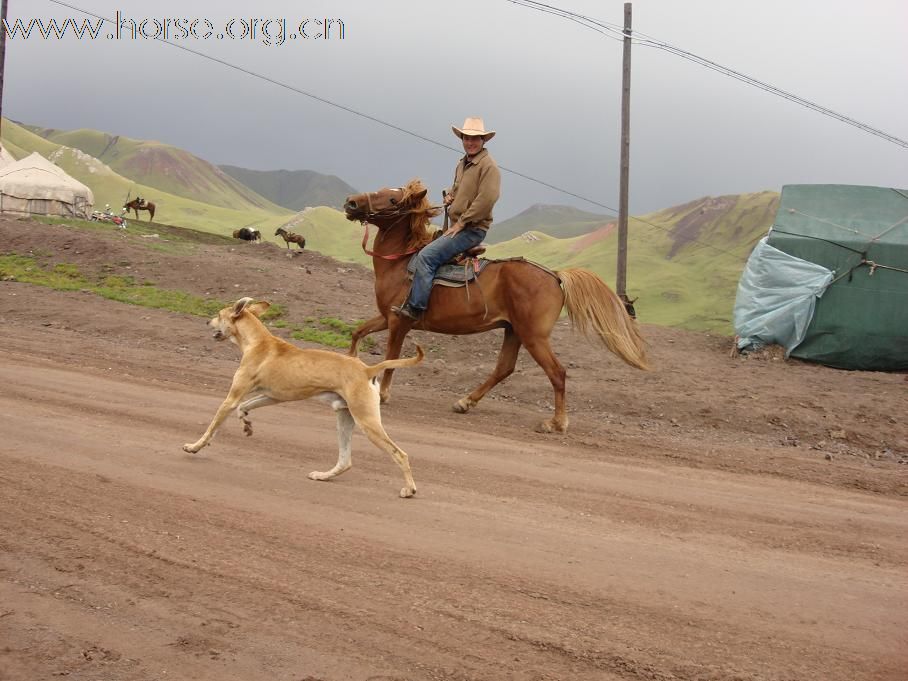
(421, 230)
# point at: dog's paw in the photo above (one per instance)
(192, 448)
(316, 475)
(407, 492)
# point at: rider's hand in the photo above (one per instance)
(454, 229)
(449, 199)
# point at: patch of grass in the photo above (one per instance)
(28, 271)
(67, 277)
(339, 325)
(280, 324)
(330, 331)
(322, 337)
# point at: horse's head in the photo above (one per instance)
(387, 202)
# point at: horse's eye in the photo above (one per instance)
(393, 202)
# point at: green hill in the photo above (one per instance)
(162, 166)
(558, 221)
(683, 262)
(294, 189)
(110, 187)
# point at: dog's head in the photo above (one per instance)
(224, 323)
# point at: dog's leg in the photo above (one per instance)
(344, 442)
(226, 407)
(256, 402)
(367, 414)
(238, 390)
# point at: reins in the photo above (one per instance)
(386, 213)
(393, 256)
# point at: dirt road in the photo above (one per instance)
(667, 536)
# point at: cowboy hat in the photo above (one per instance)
(474, 127)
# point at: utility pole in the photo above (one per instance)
(2, 55)
(621, 279)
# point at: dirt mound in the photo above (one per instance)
(718, 517)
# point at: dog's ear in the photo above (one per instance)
(259, 308)
(239, 306)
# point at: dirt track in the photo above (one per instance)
(715, 519)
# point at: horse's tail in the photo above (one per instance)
(598, 312)
(376, 369)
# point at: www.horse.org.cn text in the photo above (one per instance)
(268, 32)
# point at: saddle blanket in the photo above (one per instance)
(450, 274)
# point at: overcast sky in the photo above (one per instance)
(548, 86)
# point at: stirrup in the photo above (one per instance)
(406, 311)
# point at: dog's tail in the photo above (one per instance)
(376, 369)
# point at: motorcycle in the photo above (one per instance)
(107, 216)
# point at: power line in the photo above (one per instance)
(374, 119)
(613, 31)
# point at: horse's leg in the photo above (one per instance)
(397, 331)
(507, 360)
(379, 323)
(541, 350)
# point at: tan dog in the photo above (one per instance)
(273, 370)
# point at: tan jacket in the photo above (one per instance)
(477, 186)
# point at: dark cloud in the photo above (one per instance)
(549, 86)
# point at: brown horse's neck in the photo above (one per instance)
(393, 239)
(393, 236)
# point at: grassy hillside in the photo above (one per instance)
(111, 187)
(684, 262)
(558, 221)
(330, 233)
(684, 266)
(164, 167)
(294, 189)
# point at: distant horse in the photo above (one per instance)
(291, 238)
(136, 205)
(247, 234)
(516, 295)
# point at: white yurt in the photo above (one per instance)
(5, 158)
(35, 186)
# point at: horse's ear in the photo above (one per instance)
(239, 306)
(419, 196)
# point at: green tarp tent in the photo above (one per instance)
(859, 318)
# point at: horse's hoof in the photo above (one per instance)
(407, 492)
(463, 405)
(552, 426)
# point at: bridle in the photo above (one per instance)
(396, 212)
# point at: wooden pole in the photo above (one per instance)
(2, 54)
(621, 279)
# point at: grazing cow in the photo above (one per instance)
(247, 234)
(290, 237)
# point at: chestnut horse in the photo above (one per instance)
(136, 206)
(518, 296)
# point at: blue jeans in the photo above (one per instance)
(433, 256)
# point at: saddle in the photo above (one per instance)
(460, 270)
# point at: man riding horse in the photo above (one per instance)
(477, 186)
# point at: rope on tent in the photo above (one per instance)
(818, 238)
(890, 228)
(828, 222)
